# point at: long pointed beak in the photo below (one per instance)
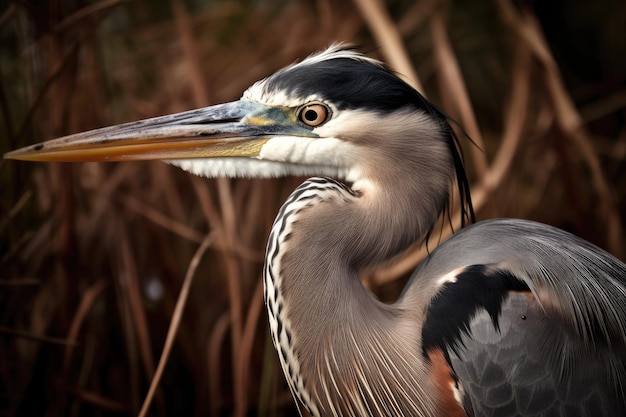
(235, 129)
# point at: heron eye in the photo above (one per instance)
(313, 114)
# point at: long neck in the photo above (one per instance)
(344, 352)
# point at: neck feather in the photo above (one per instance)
(331, 334)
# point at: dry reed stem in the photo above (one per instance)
(160, 219)
(106, 190)
(126, 321)
(249, 331)
(234, 290)
(54, 75)
(454, 91)
(102, 402)
(87, 11)
(38, 240)
(515, 119)
(5, 222)
(567, 117)
(191, 52)
(8, 13)
(15, 209)
(86, 303)
(604, 106)
(135, 300)
(19, 282)
(214, 360)
(37, 338)
(175, 322)
(162, 174)
(416, 16)
(203, 196)
(387, 35)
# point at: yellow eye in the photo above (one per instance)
(313, 114)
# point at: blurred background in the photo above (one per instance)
(93, 256)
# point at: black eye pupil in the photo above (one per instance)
(310, 115)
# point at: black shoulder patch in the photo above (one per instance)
(449, 314)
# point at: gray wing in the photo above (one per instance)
(532, 321)
(531, 366)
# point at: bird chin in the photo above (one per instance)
(254, 168)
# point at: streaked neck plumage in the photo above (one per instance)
(327, 328)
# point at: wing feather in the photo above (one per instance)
(533, 321)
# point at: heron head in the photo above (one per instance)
(336, 113)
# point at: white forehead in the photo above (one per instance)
(259, 92)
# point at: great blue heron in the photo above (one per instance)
(507, 317)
